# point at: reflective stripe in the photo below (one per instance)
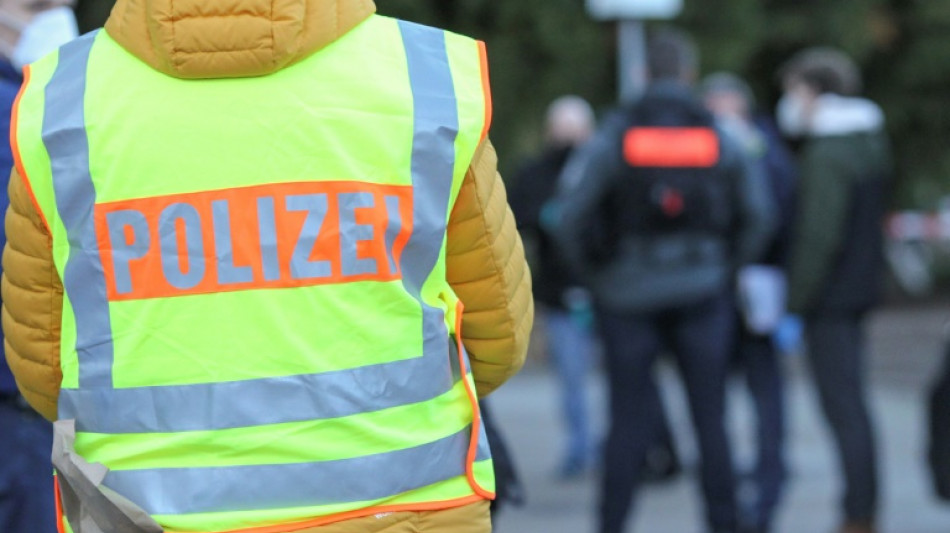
(257, 402)
(171, 491)
(296, 398)
(64, 135)
(435, 128)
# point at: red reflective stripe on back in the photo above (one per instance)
(671, 147)
(148, 279)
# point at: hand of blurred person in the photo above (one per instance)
(31, 29)
(788, 336)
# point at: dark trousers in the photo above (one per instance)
(759, 363)
(700, 337)
(26, 474)
(836, 352)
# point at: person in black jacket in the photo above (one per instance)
(762, 304)
(836, 262)
(562, 304)
(660, 208)
(939, 418)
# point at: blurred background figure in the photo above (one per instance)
(28, 30)
(659, 208)
(761, 294)
(563, 306)
(939, 431)
(836, 262)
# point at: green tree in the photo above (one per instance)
(541, 49)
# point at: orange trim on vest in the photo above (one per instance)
(271, 236)
(671, 147)
(476, 412)
(321, 521)
(15, 146)
(60, 527)
(486, 88)
(340, 517)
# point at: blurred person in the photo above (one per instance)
(28, 30)
(761, 292)
(938, 413)
(509, 491)
(245, 238)
(836, 260)
(563, 304)
(659, 209)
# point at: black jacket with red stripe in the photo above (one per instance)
(661, 207)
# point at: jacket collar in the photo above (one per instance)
(840, 115)
(227, 39)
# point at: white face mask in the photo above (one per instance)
(790, 116)
(46, 32)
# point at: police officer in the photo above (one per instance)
(659, 210)
(253, 277)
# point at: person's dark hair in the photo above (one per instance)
(671, 54)
(826, 70)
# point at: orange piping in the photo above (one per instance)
(349, 515)
(60, 527)
(486, 88)
(17, 161)
(476, 413)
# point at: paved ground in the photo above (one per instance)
(906, 352)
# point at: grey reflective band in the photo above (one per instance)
(171, 491)
(435, 128)
(256, 402)
(64, 135)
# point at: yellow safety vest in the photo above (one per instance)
(257, 326)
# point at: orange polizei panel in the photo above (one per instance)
(671, 147)
(259, 237)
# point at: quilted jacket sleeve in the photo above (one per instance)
(486, 268)
(32, 303)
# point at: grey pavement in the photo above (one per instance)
(906, 351)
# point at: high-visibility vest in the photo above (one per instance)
(257, 327)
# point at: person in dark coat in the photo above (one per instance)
(659, 210)
(836, 262)
(755, 355)
(562, 304)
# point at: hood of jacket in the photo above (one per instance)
(230, 38)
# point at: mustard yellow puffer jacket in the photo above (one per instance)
(201, 39)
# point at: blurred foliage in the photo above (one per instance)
(540, 49)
